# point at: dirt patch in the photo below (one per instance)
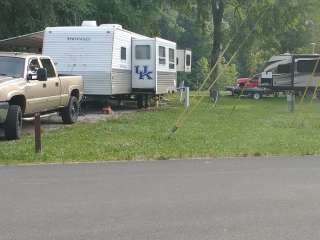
(53, 121)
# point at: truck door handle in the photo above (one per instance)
(44, 85)
(57, 84)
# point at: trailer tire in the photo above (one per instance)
(140, 101)
(13, 124)
(70, 113)
(257, 96)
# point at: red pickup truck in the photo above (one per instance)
(249, 87)
(248, 82)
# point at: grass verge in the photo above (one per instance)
(255, 128)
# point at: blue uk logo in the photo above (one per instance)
(143, 74)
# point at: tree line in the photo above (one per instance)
(206, 26)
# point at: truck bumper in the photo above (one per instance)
(4, 107)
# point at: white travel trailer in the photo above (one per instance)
(113, 61)
(292, 72)
(102, 55)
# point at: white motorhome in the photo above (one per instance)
(113, 61)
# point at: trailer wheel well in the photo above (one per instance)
(75, 93)
(19, 100)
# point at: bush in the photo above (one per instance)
(228, 75)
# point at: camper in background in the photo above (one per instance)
(292, 72)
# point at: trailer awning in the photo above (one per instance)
(32, 40)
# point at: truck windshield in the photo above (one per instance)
(11, 67)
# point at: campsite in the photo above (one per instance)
(159, 120)
(120, 63)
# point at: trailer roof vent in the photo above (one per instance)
(89, 24)
(115, 26)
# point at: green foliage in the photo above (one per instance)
(229, 75)
(277, 26)
(200, 72)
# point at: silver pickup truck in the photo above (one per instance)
(30, 84)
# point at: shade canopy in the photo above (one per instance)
(32, 40)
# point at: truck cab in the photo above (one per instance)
(30, 84)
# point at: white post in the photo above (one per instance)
(187, 97)
(182, 90)
(291, 101)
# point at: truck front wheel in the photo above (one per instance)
(70, 113)
(13, 124)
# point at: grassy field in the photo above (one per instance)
(255, 128)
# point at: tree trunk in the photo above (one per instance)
(217, 16)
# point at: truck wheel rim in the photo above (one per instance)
(256, 96)
(74, 110)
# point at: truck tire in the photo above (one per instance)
(13, 124)
(70, 113)
(257, 96)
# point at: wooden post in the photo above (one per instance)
(37, 133)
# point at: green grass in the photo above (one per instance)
(255, 128)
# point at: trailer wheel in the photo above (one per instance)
(257, 96)
(13, 123)
(140, 101)
(70, 113)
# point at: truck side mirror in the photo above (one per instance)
(31, 76)
(42, 74)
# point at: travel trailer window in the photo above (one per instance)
(284, 68)
(308, 66)
(46, 63)
(143, 52)
(123, 53)
(188, 60)
(171, 58)
(162, 55)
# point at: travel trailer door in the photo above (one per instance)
(143, 65)
(184, 60)
(188, 61)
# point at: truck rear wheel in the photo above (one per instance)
(13, 124)
(70, 113)
(257, 96)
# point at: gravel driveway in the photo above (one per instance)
(53, 121)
